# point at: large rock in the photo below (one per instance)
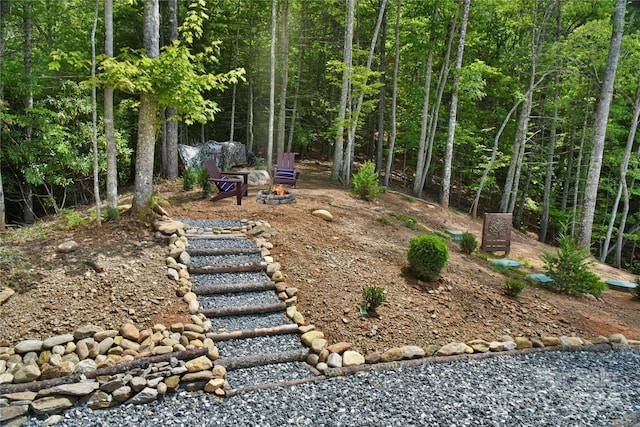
(227, 154)
(5, 294)
(26, 373)
(75, 389)
(323, 214)
(10, 412)
(618, 338)
(27, 346)
(169, 226)
(67, 247)
(454, 348)
(479, 345)
(392, 355)
(412, 352)
(258, 177)
(201, 363)
(352, 358)
(57, 340)
(130, 331)
(51, 405)
(145, 396)
(308, 337)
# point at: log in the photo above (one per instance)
(254, 332)
(244, 309)
(229, 268)
(222, 251)
(142, 362)
(235, 391)
(226, 288)
(253, 360)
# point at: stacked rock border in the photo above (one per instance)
(105, 368)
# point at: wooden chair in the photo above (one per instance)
(285, 172)
(227, 187)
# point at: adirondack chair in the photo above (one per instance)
(285, 172)
(227, 187)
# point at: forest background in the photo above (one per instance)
(529, 107)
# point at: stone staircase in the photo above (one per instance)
(258, 344)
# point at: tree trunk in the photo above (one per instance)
(109, 125)
(382, 95)
(422, 149)
(232, 125)
(284, 75)
(94, 117)
(494, 152)
(28, 216)
(448, 157)
(394, 98)
(600, 129)
(171, 167)
(2, 205)
(147, 115)
(294, 108)
(272, 84)
(576, 189)
(617, 260)
(346, 79)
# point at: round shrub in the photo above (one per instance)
(427, 256)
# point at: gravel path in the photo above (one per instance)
(232, 323)
(543, 389)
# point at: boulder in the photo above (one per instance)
(323, 214)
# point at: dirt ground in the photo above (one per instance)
(329, 262)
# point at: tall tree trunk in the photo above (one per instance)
(109, 125)
(301, 49)
(576, 188)
(355, 117)
(284, 74)
(272, 83)
(546, 204)
(232, 125)
(3, 221)
(171, 167)
(94, 117)
(624, 165)
(28, 215)
(435, 111)
(147, 114)
(338, 157)
(568, 172)
(510, 190)
(383, 88)
(494, 152)
(448, 156)
(394, 98)
(600, 130)
(422, 149)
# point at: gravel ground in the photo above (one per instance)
(233, 323)
(238, 299)
(268, 344)
(198, 261)
(268, 374)
(543, 389)
(220, 243)
(211, 223)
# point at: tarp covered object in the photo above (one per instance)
(227, 154)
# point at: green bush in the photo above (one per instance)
(512, 287)
(189, 179)
(569, 269)
(203, 181)
(111, 214)
(468, 244)
(427, 256)
(374, 296)
(365, 182)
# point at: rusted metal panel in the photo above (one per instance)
(496, 232)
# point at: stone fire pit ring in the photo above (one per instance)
(267, 197)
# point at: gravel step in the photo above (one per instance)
(200, 260)
(234, 287)
(254, 332)
(238, 299)
(259, 346)
(224, 278)
(268, 374)
(235, 323)
(263, 359)
(217, 251)
(211, 223)
(244, 309)
(219, 243)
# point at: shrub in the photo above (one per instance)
(203, 181)
(189, 179)
(512, 287)
(569, 269)
(427, 256)
(111, 214)
(374, 296)
(468, 244)
(636, 291)
(407, 220)
(365, 182)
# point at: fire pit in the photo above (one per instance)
(277, 195)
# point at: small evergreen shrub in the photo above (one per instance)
(203, 181)
(512, 287)
(189, 179)
(569, 269)
(365, 182)
(373, 296)
(468, 244)
(111, 214)
(427, 256)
